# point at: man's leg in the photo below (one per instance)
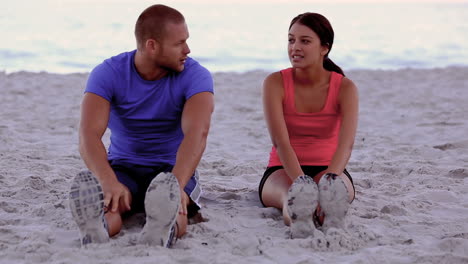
(159, 194)
(114, 220)
(193, 192)
(124, 173)
(162, 203)
(87, 207)
(182, 222)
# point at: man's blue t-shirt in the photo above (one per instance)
(145, 116)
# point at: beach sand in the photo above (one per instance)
(409, 164)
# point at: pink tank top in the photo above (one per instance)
(313, 136)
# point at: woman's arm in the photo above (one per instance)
(349, 105)
(273, 94)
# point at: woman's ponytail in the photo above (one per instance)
(329, 65)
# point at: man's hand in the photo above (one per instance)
(184, 201)
(117, 197)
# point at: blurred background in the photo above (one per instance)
(74, 36)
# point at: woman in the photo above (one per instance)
(311, 111)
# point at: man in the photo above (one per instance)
(157, 103)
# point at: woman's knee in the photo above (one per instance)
(275, 189)
(349, 186)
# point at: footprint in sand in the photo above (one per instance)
(445, 146)
(453, 145)
(393, 210)
(458, 173)
(8, 208)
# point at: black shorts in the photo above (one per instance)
(137, 178)
(311, 171)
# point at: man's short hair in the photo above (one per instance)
(152, 22)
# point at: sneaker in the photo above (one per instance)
(87, 207)
(334, 201)
(162, 207)
(302, 202)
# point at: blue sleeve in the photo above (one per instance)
(100, 82)
(198, 80)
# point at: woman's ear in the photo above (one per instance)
(325, 50)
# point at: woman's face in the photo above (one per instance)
(304, 47)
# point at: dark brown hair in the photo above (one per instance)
(152, 22)
(322, 27)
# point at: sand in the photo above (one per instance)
(409, 164)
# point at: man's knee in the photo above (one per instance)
(114, 223)
(181, 222)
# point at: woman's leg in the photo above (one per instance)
(335, 195)
(346, 181)
(349, 186)
(275, 192)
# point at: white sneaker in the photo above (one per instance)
(334, 201)
(87, 207)
(302, 202)
(162, 207)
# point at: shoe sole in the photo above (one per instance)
(302, 202)
(334, 201)
(162, 207)
(86, 201)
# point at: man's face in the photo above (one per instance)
(174, 48)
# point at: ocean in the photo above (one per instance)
(73, 36)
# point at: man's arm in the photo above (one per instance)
(94, 118)
(196, 118)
